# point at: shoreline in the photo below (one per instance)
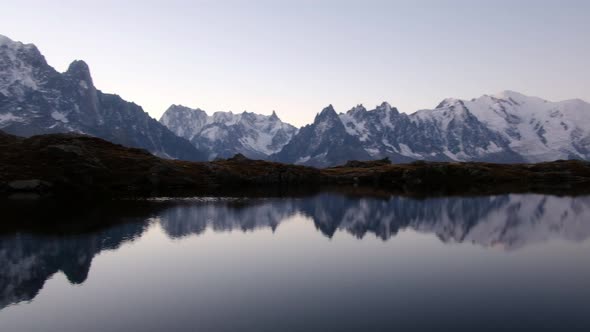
(73, 165)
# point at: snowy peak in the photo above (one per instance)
(22, 67)
(358, 109)
(184, 121)
(446, 103)
(8, 44)
(536, 129)
(225, 118)
(327, 119)
(377, 129)
(5, 40)
(224, 134)
(385, 106)
(503, 97)
(514, 97)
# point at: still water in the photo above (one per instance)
(329, 262)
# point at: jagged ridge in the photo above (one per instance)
(36, 99)
(507, 127)
(225, 134)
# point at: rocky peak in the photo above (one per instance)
(358, 108)
(385, 106)
(356, 111)
(274, 116)
(385, 109)
(249, 117)
(80, 71)
(327, 120)
(326, 114)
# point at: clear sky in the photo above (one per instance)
(296, 57)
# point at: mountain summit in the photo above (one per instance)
(534, 128)
(323, 143)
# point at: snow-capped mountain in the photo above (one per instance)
(225, 134)
(536, 129)
(323, 143)
(427, 135)
(507, 127)
(36, 99)
(360, 134)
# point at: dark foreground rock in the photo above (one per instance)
(71, 164)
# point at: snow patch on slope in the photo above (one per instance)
(59, 116)
(9, 117)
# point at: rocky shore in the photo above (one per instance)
(78, 165)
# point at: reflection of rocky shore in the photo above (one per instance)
(510, 222)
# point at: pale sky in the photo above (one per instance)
(296, 57)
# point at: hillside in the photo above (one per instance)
(73, 164)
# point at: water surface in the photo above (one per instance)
(323, 263)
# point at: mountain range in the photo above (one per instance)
(36, 99)
(506, 127)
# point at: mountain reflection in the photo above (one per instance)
(509, 221)
(29, 260)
